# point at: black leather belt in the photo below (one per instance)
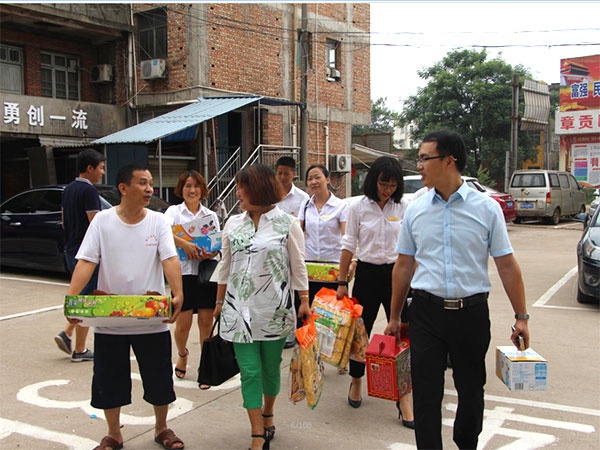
(453, 303)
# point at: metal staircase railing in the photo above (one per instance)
(222, 198)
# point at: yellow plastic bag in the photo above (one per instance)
(360, 342)
(335, 321)
(306, 367)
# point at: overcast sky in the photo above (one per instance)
(415, 35)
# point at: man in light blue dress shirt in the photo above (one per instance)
(447, 237)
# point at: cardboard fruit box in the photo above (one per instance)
(117, 310)
(388, 367)
(320, 271)
(521, 370)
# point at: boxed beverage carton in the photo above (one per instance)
(322, 271)
(388, 367)
(200, 231)
(335, 321)
(117, 310)
(521, 370)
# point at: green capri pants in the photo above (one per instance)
(260, 370)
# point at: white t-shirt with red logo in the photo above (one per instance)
(131, 257)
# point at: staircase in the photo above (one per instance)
(222, 198)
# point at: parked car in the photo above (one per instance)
(595, 203)
(412, 183)
(31, 234)
(546, 194)
(588, 262)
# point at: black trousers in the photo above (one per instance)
(465, 335)
(372, 288)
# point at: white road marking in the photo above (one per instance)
(30, 394)
(554, 289)
(30, 313)
(69, 440)
(28, 280)
(543, 405)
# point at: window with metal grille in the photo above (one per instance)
(11, 68)
(152, 34)
(60, 76)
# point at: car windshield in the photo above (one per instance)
(596, 220)
(412, 186)
(528, 180)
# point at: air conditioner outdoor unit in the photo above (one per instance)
(102, 73)
(153, 68)
(333, 74)
(340, 163)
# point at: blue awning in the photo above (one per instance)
(178, 120)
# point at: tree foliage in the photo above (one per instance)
(383, 119)
(471, 95)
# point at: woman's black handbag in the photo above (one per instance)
(217, 362)
(206, 269)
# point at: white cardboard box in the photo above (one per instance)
(521, 371)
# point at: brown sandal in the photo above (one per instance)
(168, 439)
(180, 373)
(108, 443)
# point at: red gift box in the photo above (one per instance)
(388, 367)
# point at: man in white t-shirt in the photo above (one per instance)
(136, 248)
(294, 200)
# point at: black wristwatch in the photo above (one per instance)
(342, 283)
(522, 316)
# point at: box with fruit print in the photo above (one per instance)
(322, 271)
(115, 310)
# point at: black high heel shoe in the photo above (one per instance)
(353, 403)
(267, 443)
(407, 423)
(269, 431)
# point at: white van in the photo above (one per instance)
(547, 194)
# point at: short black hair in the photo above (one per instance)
(321, 167)
(125, 173)
(287, 161)
(88, 157)
(385, 168)
(449, 143)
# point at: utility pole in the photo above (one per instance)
(304, 48)
(511, 163)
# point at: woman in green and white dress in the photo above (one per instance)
(262, 264)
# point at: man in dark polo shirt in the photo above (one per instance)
(80, 203)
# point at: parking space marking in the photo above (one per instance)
(533, 403)
(541, 302)
(69, 440)
(30, 313)
(28, 280)
(31, 395)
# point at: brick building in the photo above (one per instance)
(118, 66)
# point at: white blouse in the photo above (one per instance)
(372, 232)
(323, 230)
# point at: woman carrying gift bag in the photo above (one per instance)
(200, 300)
(262, 264)
(372, 230)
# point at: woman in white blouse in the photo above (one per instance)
(200, 300)
(261, 266)
(323, 218)
(372, 230)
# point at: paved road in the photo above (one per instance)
(45, 397)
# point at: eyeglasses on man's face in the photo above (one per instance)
(424, 159)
